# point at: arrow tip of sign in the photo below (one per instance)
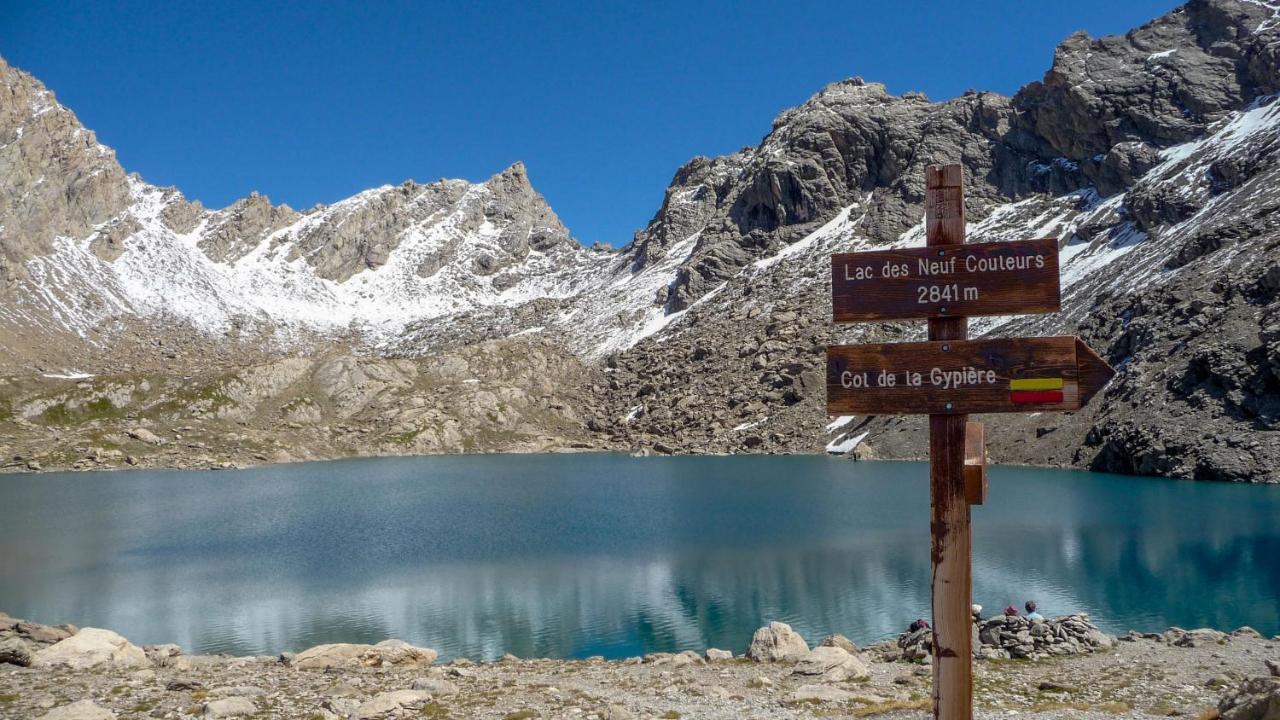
(1094, 372)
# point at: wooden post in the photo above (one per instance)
(951, 546)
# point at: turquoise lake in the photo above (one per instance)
(579, 555)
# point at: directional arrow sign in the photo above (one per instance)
(1001, 278)
(965, 376)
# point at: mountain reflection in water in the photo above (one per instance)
(577, 555)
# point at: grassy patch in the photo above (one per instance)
(1115, 708)
(8, 697)
(98, 409)
(521, 715)
(671, 715)
(405, 438)
(891, 705)
(434, 710)
(206, 397)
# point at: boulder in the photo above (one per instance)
(777, 642)
(1199, 637)
(840, 641)
(715, 654)
(387, 652)
(15, 652)
(91, 647)
(144, 435)
(436, 686)
(388, 702)
(80, 710)
(1255, 699)
(828, 663)
(230, 707)
(47, 634)
(162, 655)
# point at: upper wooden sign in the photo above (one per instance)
(1001, 278)
(963, 376)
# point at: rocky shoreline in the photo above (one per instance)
(69, 673)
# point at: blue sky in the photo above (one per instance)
(312, 102)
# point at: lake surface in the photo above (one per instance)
(578, 555)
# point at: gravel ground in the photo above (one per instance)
(1141, 677)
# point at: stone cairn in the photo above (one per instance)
(1011, 636)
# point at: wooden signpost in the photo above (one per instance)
(949, 377)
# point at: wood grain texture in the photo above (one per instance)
(975, 463)
(1006, 359)
(944, 205)
(924, 282)
(951, 542)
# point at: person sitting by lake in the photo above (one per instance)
(918, 624)
(976, 610)
(1032, 615)
(1011, 611)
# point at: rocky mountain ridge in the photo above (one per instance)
(1153, 157)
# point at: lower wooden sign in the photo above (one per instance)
(1037, 374)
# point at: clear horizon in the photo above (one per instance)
(601, 103)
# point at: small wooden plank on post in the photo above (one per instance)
(995, 375)
(998, 278)
(975, 464)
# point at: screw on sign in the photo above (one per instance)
(949, 377)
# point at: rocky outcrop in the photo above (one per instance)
(385, 653)
(91, 647)
(777, 642)
(827, 663)
(1013, 636)
(1254, 699)
(56, 179)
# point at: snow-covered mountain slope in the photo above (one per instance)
(445, 257)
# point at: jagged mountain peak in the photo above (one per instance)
(56, 179)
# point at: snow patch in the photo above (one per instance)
(842, 445)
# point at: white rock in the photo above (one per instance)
(144, 435)
(831, 664)
(714, 654)
(230, 707)
(387, 702)
(435, 686)
(777, 642)
(91, 647)
(80, 710)
(387, 652)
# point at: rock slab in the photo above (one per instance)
(91, 647)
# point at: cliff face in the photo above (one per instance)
(1153, 157)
